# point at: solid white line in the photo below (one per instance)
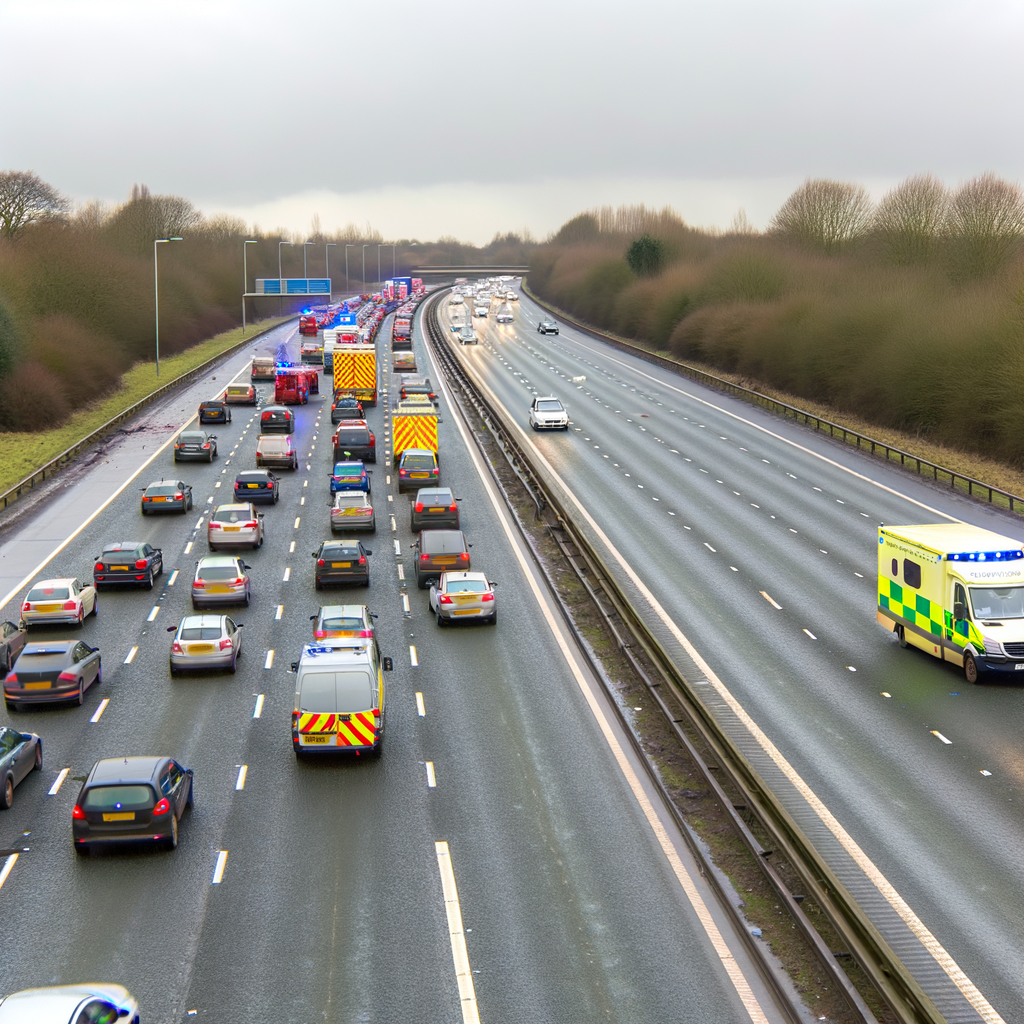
(131, 656)
(99, 711)
(258, 710)
(939, 735)
(154, 613)
(287, 574)
(174, 576)
(431, 778)
(59, 781)
(12, 859)
(412, 656)
(270, 659)
(457, 936)
(218, 871)
(279, 613)
(420, 709)
(243, 771)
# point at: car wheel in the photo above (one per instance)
(440, 620)
(493, 620)
(317, 585)
(210, 459)
(366, 582)
(81, 617)
(277, 497)
(81, 692)
(191, 794)
(99, 675)
(247, 599)
(96, 606)
(81, 849)
(7, 795)
(971, 672)
(37, 764)
(12, 706)
(172, 669)
(145, 513)
(231, 667)
(172, 843)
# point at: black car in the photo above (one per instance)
(128, 561)
(434, 507)
(439, 551)
(195, 444)
(12, 640)
(20, 753)
(132, 800)
(341, 561)
(166, 496)
(276, 419)
(346, 407)
(354, 440)
(258, 485)
(56, 670)
(547, 327)
(214, 412)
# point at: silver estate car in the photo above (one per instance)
(234, 525)
(463, 596)
(220, 579)
(352, 511)
(205, 641)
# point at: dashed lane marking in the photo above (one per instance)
(174, 576)
(810, 634)
(279, 612)
(99, 711)
(420, 710)
(12, 859)
(287, 574)
(130, 657)
(188, 548)
(58, 782)
(243, 771)
(938, 735)
(269, 663)
(413, 657)
(218, 870)
(154, 613)
(297, 521)
(258, 710)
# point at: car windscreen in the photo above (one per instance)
(159, 489)
(115, 798)
(217, 572)
(466, 587)
(418, 463)
(231, 515)
(352, 435)
(48, 594)
(549, 406)
(998, 602)
(200, 633)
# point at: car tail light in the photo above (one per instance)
(320, 562)
(199, 583)
(366, 632)
(319, 633)
(98, 567)
(362, 559)
(376, 712)
(26, 607)
(239, 580)
(424, 558)
(140, 564)
(403, 472)
(176, 647)
(225, 644)
(453, 508)
(162, 807)
(270, 484)
(445, 599)
(265, 416)
(486, 597)
(178, 496)
(215, 526)
(12, 677)
(77, 813)
(70, 606)
(67, 677)
(207, 445)
(251, 526)
(140, 577)
(435, 471)
(373, 440)
(464, 556)
(419, 506)
(145, 498)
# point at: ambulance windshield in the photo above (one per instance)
(998, 602)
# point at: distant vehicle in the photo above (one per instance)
(350, 476)
(195, 444)
(455, 299)
(548, 413)
(467, 336)
(55, 671)
(343, 620)
(439, 551)
(354, 440)
(504, 315)
(132, 561)
(311, 352)
(291, 388)
(131, 800)
(345, 407)
(276, 450)
(417, 467)
(547, 327)
(61, 601)
(239, 394)
(263, 368)
(308, 325)
(416, 385)
(214, 412)
(205, 641)
(166, 496)
(70, 1004)
(404, 362)
(482, 311)
(463, 597)
(511, 297)
(236, 525)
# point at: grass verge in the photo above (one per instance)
(22, 453)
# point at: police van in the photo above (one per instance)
(339, 697)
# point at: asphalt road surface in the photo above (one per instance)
(504, 858)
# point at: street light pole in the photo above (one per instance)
(365, 247)
(245, 278)
(280, 282)
(394, 272)
(327, 269)
(304, 244)
(156, 294)
(378, 266)
(349, 245)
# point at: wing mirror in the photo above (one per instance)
(387, 664)
(172, 629)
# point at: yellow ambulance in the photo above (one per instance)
(955, 591)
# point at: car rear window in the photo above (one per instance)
(105, 798)
(466, 587)
(434, 497)
(276, 414)
(121, 549)
(159, 489)
(417, 462)
(342, 622)
(353, 435)
(351, 499)
(213, 405)
(251, 478)
(201, 633)
(41, 661)
(436, 542)
(48, 594)
(232, 515)
(191, 437)
(218, 572)
(340, 551)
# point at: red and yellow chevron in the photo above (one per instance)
(318, 723)
(359, 731)
(414, 431)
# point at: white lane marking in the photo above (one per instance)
(297, 521)
(734, 569)
(420, 709)
(258, 710)
(305, 483)
(985, 772)
(401, 571)
(398, 547)
(200, 523)
(174, 576)
(12, 859)
(938, 735)
(394, 525)
(287, 574)
(131, 655)
(791, 530)
(154, 613)
(302, 500)
(391, 497)
(58, 782)
(431, 778)
(708, 546)
(188, 548)
(888, 695)
(858, 574)
(387, 479)
(279, 613)
(243, 771)
(405, 604)
(209, 500)
(217, 484)
(270, 660)
(413, 656)
(99, 711)
(218, 871)
(850, 668)
(457, 935)
(810, 634)
(291, 548)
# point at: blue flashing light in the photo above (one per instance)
(1013, 555)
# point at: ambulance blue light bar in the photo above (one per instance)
(986, 556)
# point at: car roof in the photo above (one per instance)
(233, 507)
(53, 583)
(466, 575)
(342, 542)
(547, 398)
(350, 610)
(418, 451)
(125, 769)
(123, 545)
(350, 464)
(277, 408)
(48, 646)
(193, 621)
(253, 472)
(219, 560)
(436, 489)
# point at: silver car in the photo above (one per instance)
(463, 596)
(63, 600)
(70, 1004)
(233, 525)
(205, 641)
(220, 579)
(352, 511)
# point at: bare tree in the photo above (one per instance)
(911, 218)
(146, 217)
(985, 224)
(825, 214)
(25, 198)
(741, 224)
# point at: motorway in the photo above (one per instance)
(318, 891)
(754, 540)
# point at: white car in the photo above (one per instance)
(548, 413)
(511, 297)
(455, 299)
(205, 641)
(352, 511)
(483, 311)
(463, 595)
(467, 336)
(232, 525)
(504, 315)
(70, 1004)
(66, 600)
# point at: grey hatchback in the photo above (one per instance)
(434, 507)
(341, 561)
(131, 800)
(438, 551)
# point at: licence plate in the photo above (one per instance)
(231, 529)
(435, 509)
(464, 611)
(218, 588)
(316, 739)
(37, 686)
(200, 648)
(419, 476)
(119, 568)
(444, 561)
(47, 608)
(1019, 666)
(341, 565)
(252, 485)
(161, 499)
(120, 816)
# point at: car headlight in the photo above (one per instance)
(993, 647)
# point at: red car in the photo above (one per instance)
(291, 388)
(307, 325)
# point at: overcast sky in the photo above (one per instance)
(465, 118)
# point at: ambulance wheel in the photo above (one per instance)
(901, 636)
(971, 669)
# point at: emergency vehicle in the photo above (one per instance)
(955, 591)
(414, 425)
(291, 387)
(355, 372)
(307, 324)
